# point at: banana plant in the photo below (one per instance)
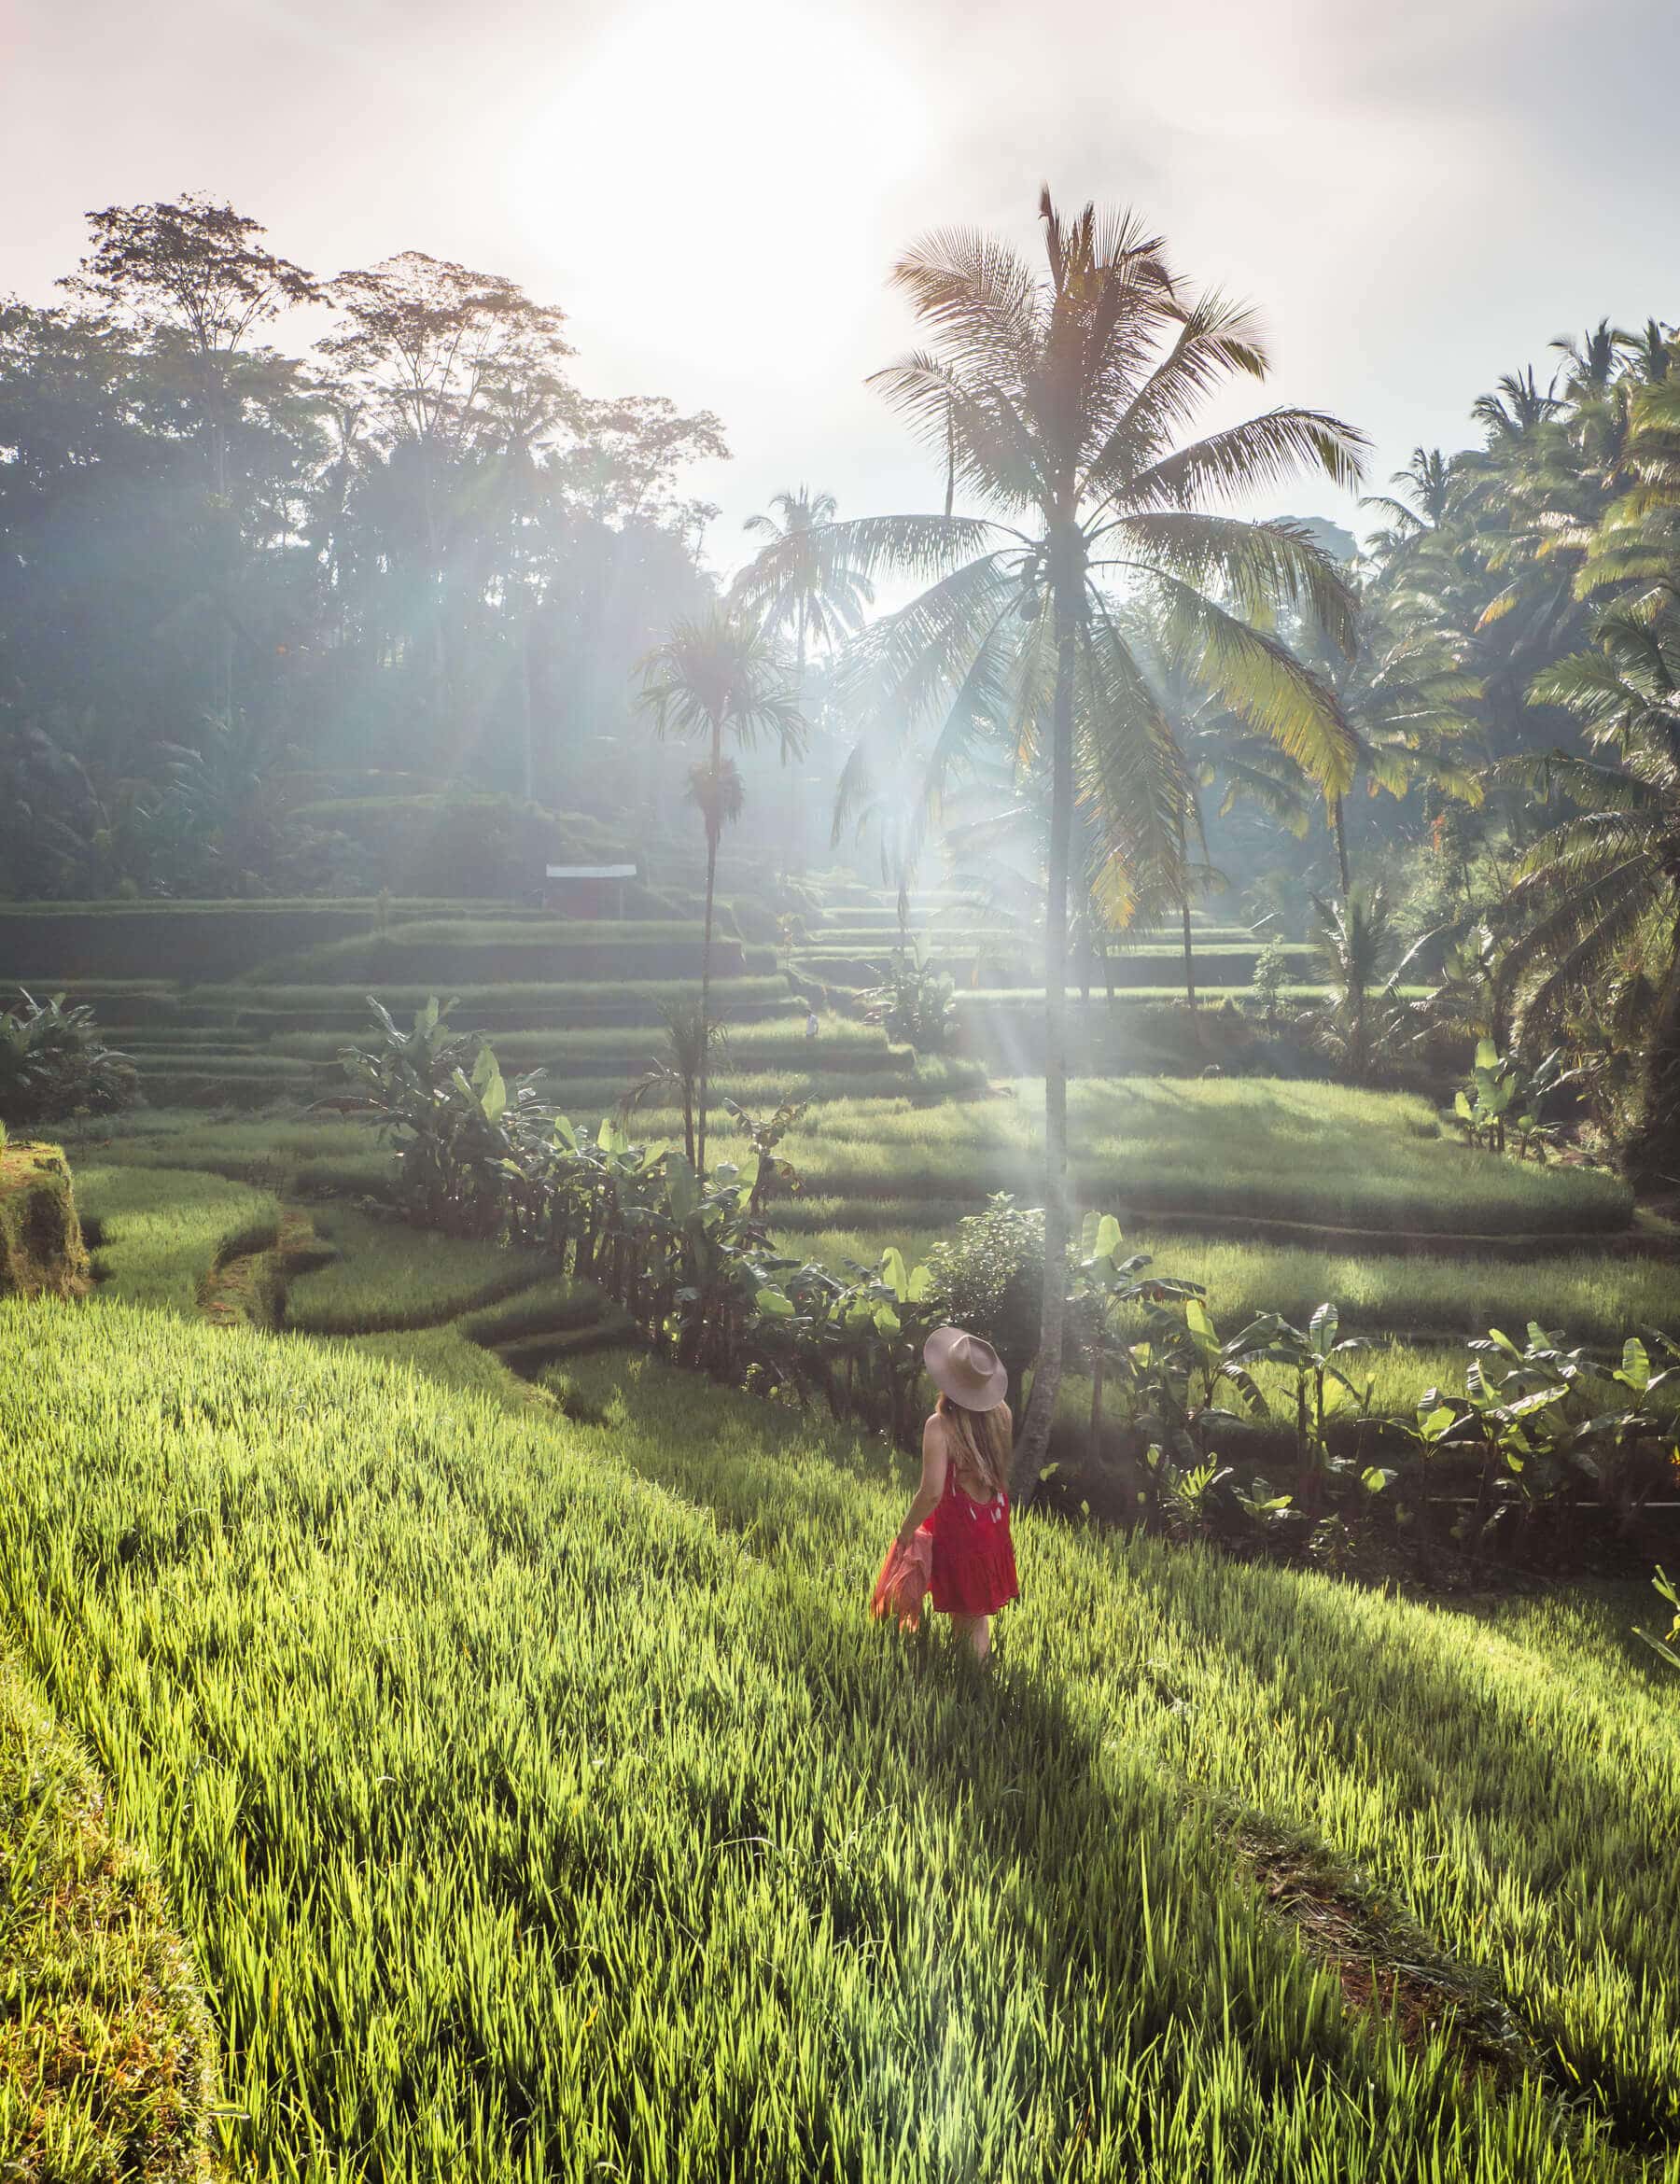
(1515, 1415)
(763, 1138)
(716, 1288)
(854, 1340)
(1316, 1359)
(1431, 1431)
(1267, 1510)
(1504, 1098)
(1104, 1287)
(439, 1097)
(1614, 1445)
(1668, 1646)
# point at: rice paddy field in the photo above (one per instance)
(1235, 1149)
(445, 1716)
(511, 1784)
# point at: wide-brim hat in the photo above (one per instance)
(966, 1368)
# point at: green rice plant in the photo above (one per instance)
(1600, 1296)
(455, 952)
(292, 1155)
(309, 1017)
(161, 1231)
(1314, 1154)
(837, 1246)
(530, 1822)
(1466, 1773)
(108, 2062)
(387, 1276)
(551, 1305)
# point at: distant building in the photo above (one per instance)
(586, 890)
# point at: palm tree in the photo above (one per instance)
(1357, 951)
(1056, 400)
(1410, 709)
(680, 1066)
(1601, 888)
(718, 676)
(801, 592)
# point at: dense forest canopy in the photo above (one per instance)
(411, 548)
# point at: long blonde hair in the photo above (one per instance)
(983, 1441)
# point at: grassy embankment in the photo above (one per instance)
(890, 1172)
(106, 2053)
(448, 1720)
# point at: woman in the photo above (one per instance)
(960, 1501)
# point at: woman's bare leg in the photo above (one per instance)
(976, 1632)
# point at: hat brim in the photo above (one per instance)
(985, 1394)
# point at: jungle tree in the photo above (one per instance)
(719, 677)
(801, 592)
(1055, 399)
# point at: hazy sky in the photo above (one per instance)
(1418, 196)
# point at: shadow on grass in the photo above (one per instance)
(1478, 1760)
(1132, 1893)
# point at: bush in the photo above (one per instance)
(913, 1000)
(989, 1279)
(1274, 971)
(53, 1062)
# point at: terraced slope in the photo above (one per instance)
(535, 1795)
(579, 1000)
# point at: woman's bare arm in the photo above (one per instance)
(933, 1486)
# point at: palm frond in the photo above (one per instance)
(1131, 777)
(1257, 566)
(1261, 681)
(1262, 453)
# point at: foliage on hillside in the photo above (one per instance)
(41, 1247)
(106, 2053)
(663, 1734)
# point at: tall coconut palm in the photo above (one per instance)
(801, 590)
(1357, 951)
(1599, 893)
(803, 594)
(1411, 710)
(1055, 399)
(719, 677)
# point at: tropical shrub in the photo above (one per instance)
(914, 1002)
(1668, 1646)
(989, 1279)
(53, 1062)
(1272, 973)
(1502, 1097)
(1545, 1428)
(688, 1258)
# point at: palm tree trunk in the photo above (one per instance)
(1189, 956)
(527, 721)
(1034, 1442)
(794, 853)
(1339, 827)
(1653, 1155)
(713, 829)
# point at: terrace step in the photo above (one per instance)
(1632, 1243)
(528, 1354)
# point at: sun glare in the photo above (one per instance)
(719, 169)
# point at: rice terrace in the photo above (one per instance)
(839, 1321)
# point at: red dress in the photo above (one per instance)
(973, 1556)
